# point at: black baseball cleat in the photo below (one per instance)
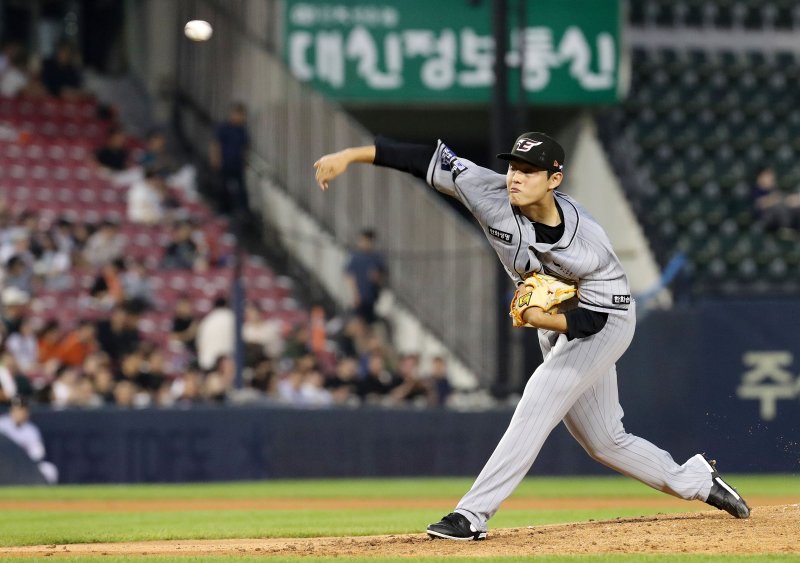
(723, 496)
(455, 526)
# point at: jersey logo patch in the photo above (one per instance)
(621, 299)
(449, 162)
(502, 235)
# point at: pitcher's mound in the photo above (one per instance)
(770, 529)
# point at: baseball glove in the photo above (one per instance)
(539, 290)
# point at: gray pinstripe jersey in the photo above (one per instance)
(583, 255)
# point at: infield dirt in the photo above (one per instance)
(770, 530)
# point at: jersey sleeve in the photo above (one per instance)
(412, 158)
(463, 179)
(605, 289)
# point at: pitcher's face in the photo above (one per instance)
(529, 185)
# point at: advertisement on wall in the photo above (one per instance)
(720, 377)
(417, 51)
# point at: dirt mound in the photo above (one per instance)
(444, 504)
(770, 529)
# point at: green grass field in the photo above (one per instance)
(60, 515)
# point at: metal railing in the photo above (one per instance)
(440, 266)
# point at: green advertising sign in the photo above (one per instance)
(422, 51)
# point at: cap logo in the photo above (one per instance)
(524, 145)
(555, 164)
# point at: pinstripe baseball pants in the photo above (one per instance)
(577, 383)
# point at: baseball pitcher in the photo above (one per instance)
(571, 287)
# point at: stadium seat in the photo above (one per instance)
(697, 126)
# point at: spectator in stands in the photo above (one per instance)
(215, 334)
(113, 154)
(28, 223)
(440, 381)
(343, 385)
(296, 343)
(366, 273)
(317, 331)
(44, 394)
(773, 208)
(375, 344)
(183, 252)
(17, 228)
(152, 372)
(17, 243)
(267, 334)
(94, 361)
(170, 204)
(18, 274)
(103, 383)
(188, 388)
(155, 156)
(13, 75)
(18, 428)
(62, 232)
(77, 344)
(162, 397)
(306, 363)
(377, 381)
(51, 262)
(14, 303)
(263, 377)
(313, 391)
(22, 345)
(107, 289)
(6, 221)
(130, 366)
(184, 324)
(288, 387)
(410, 386)
(227, 156)
(219, 380)
(12, 382)
(80, 235)
(137, 284)
(83, 394)
(65, 386)
(61, 74)
(144, 199)
(48, 341)
(22, 380)
(105, 245)
(352, 339)
(125, 395)
(118, 335)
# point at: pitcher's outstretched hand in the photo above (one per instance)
(329, 167)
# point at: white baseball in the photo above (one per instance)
(198, 30)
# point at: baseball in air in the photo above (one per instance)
(198, 30)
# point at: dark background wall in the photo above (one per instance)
(678, 386)
(680, 379)
(16, 468)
